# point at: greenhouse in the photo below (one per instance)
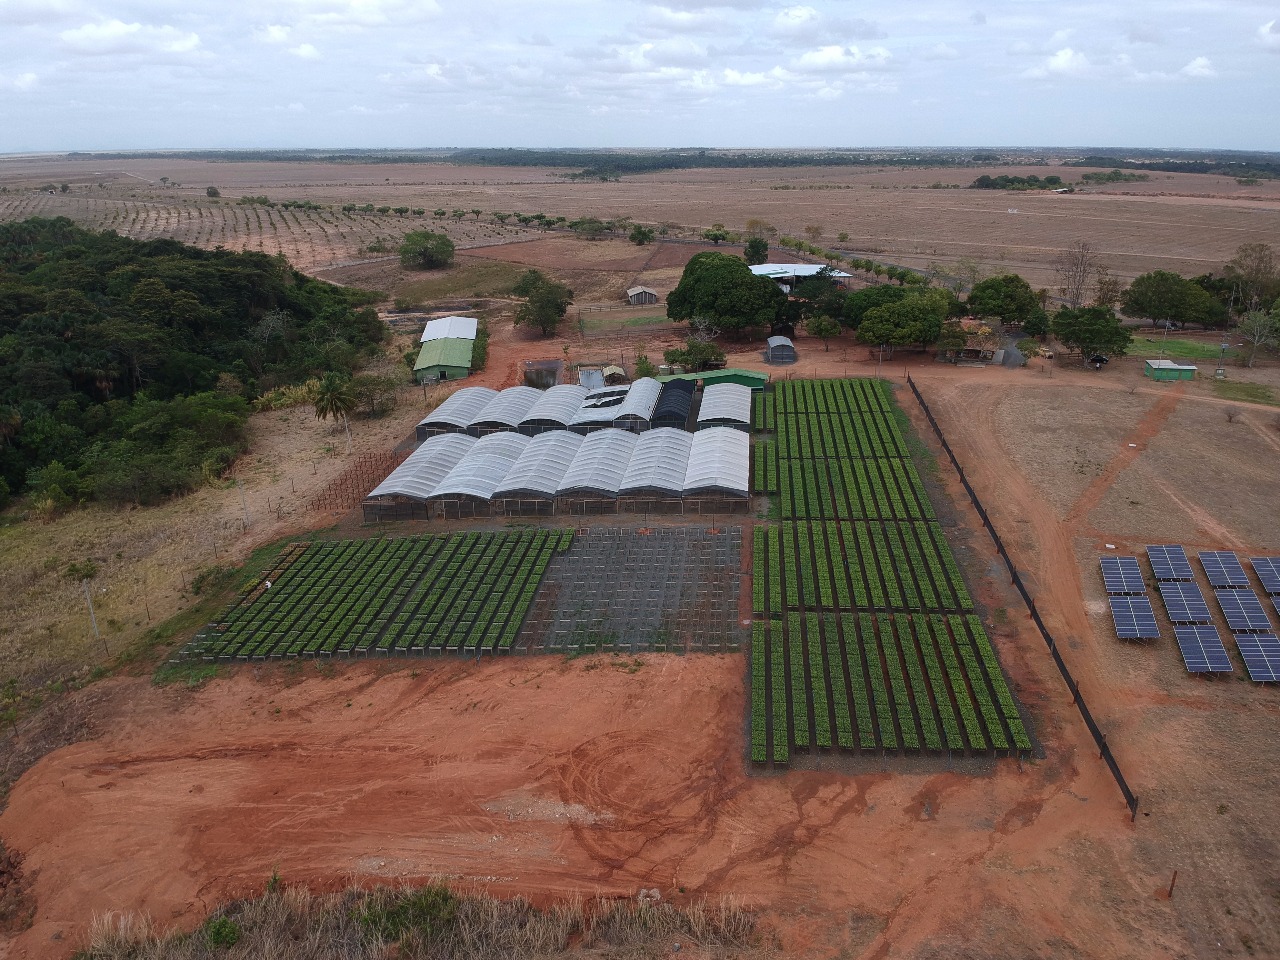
(403, 494)
(600, 464)
(456, 413)
(658, 464)
(674, 404)
(505, 411)
(719, 463)
(725, 405)
(538, 473)
(554, 409)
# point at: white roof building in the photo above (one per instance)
(792, 271)
(455, 328)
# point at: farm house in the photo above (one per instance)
(445, 359)
(641, 296)
(780, 350)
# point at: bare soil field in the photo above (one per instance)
(1190, 223)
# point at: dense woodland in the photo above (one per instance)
(127, 367)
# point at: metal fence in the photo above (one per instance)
(1099, 737)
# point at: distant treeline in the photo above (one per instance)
(276, 156)
(1006, 182)
(1262, 166)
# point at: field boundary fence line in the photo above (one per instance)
(1098, 736)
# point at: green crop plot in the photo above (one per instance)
(463, 593)
(870, 643)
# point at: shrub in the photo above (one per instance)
(222, 932)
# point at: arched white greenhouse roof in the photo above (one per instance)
(600, 464)
(508, 408)
(719, 462)
(422, 472)
(640, 400)
(557, 405)
(600, 406)
(725, 402)
(460, 408)
(484, 467)
(658, 462)
(542, 465)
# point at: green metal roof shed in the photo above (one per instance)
(746, 378)
(1168, 370)
(445, 359)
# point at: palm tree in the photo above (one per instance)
(334, 399)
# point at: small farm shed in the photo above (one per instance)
(445, 359)
(1168, 370)
(747, 378)
(639, 296)
(614, 375)
(780, 350)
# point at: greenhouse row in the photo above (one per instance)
(456, 474)
(643, 405)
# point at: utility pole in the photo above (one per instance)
(243, 504)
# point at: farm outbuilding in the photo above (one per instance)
(446, 328)
(747, 378)
(445, 359)
(640, 296)
(1168, 370)
(787, 275)
(725, 405)
(779, 350)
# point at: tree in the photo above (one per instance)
(823, 327)
(425, 250)
(545, 302)
(1107, 288)
(1091, 330)
(715, 236)
(1007, 298)
(721, 291)
(641, 235)
(589, 228)
(695, 355)
(757, 227)
(1259, 329)
(376, 394)
(644, 366)
(814, 232)
(756, 251)
(915, 319)
(212, 192)
(857, 304)
(1253, 270)
(1075, 268)
(335, 398)
(1166, 298)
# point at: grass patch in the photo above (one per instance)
(1245, 392)
(1176, 349)
(483, 278)
(610, 320)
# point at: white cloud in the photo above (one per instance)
(116, 36)
(795, 18)
(1269, 36)
(942, 51)
(24, 82)
(273, 33)
(1065, 63)
(1200, 67)
(306, 51)
(735, 78)
(837, 59)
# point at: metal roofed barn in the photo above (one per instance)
(446, 359)
(554, 409)
(719, 462)
(505, 411)
(457, 328)
(456, 412)
(674, 404)
(658, 464)
(780, 350)
(725, 405)
(637, 296)
(538, 472)
(600, 464)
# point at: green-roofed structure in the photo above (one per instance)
(448, 358)
(747, 378)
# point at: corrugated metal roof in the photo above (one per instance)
(779, 342)
(459, 408)
(508, 408)
(777, 271)
(719, 462)
(461, 328)
(600, 464)
(632, 291)
(591, 379)
(658, 462)
(423, 470)
(728, 375)
(484, 467)
(557, 404)
(449, 352)
(542, 465)
(725, 402)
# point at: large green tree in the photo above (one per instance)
(426, 250)
(915, 320)
(858, 303)
(720, 291)
(756, 251)
(545, 304)
(1007, 298)
(1166, 298)
(1091, 330)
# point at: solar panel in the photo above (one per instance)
(1202, 649)
(1261, 653)
(1122, 575)
(1223, 569)
(1243, 611)
(1268, 571)
(1169, 562)
(1134, 618)
(1184, 602)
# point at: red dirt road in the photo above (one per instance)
(547, 777)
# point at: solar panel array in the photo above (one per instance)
(1268, 571)
(1261, 653)
(1184, 602)
(1202, 649)
(1122, 575)
(1223, 569)
(1169, 562)
(1243, 611)
(1134, 618)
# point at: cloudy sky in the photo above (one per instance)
(117, 74)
